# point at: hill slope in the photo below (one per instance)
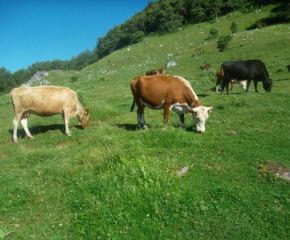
(113, 181)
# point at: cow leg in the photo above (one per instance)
(217, 84)
(227, 87)
(16, 121)
(248, 84)
(65, 117)
(166, 115)
(222, 87)
(141, 118)
(256, 85)
(25, 127)
(181, 117)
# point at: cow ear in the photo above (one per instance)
(87, 111)
(194, 110)
(209, 109)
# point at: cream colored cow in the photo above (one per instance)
(46, 101)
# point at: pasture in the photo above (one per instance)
(113, 181)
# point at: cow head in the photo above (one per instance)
(200, 115)
(267, 85)
(85, 120)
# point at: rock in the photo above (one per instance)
(39, 76)
(182, 171)
(277, 170)
(232, 132)
(170, 64)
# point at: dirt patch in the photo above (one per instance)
(232, 132)
(271, 169)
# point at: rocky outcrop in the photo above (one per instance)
(38, 77)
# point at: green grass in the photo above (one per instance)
(115, 182)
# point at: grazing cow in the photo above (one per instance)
(46, 101)
(155, 71)
(288, 66)
(168, 93)
(220, 77)
(246, 70)
(205, 67)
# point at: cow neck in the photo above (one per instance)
(81, 119)
(194, 99)
(80, 112)
(196, 103)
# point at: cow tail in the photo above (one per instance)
(222, 73)
(12, 102)
(133, 105)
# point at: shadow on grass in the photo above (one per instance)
(191, 129)
(129, 127)
(283, 79)
(202, 95)
(134, 127)
(39, 129)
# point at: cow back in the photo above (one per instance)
(43, 100)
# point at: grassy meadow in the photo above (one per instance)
(113, 181)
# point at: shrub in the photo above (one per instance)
(74, 78)
(213, 33)
(234, 27)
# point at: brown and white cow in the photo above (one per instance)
(46, 101)
(220, 78)
(155, 71)
(168, 93)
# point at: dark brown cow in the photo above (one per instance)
(205, 67)
(168, 93)
(46, 101)
(155, 71)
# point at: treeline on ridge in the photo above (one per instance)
(165, 16)
(161, 16)
(10, 80)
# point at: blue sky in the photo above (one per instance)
(44, 30)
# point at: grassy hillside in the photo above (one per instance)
(113, 181)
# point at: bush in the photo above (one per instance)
(213, 33)
(74, 79)
(223, 42)
(234, 27)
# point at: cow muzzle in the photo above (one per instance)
(200, 131)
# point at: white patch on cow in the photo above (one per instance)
(187, 84)
(243, 84)
(180, 108)
(161, 106)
